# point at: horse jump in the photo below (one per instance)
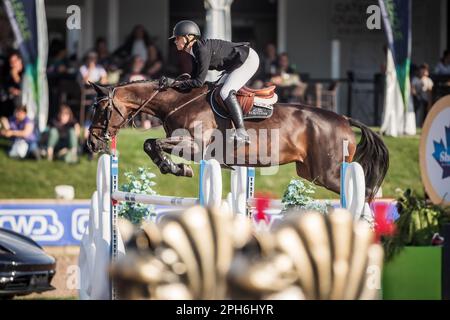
(102, 242)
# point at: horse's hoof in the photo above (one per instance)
(186, 171)
(165, 167)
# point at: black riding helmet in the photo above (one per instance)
(185, 28)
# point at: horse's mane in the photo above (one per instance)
(209, 85)
(122, 84)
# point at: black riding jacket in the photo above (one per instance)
(215, 54)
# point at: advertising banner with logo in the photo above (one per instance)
(48, 224)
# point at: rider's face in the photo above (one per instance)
(180, 42)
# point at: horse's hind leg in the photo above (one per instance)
(155, 148)
(329, 179)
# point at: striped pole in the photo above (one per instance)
(344, 165)
(114, 176)
(250, 189)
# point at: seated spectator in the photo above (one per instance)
(113, 72)
(91, 71)
(290, 86)
(154, 64)
(101, 48)
(136, 70)
(421, 89)
(443, 67)
(136, 73)
(63, 136)
(12, 92)
(135, 44)
(269, 62)
(20, 129)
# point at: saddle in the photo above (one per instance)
(255, 103)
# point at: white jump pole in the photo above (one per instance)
(251, 172)
(157, 200)
(210, 193)
(114, 172)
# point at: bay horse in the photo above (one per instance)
(309, 136)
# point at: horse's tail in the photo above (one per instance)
(373, 155)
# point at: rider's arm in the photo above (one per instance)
(203, 60)
(27, 131)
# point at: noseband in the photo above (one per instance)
(109, 111)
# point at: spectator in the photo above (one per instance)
(154, 64)
(290, 87)
(20, 129)
(136, 70)
(101, 48)
(63, 136)
(443, 67)
(91, 71)
(269, 62)
(135, 44)
(12, 95)
(113, 72)
(421, 88)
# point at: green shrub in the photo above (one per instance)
(418, 222)
(141, 183)
(298, 196)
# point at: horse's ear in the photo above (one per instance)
(101, 90)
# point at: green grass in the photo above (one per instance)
(28, 179)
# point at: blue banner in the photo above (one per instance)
(48, 224)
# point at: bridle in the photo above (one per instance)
(111, 106)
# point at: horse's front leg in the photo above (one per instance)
(155, 148)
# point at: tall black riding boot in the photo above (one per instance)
(235, 110)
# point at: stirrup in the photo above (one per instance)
(241, 136)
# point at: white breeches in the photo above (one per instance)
(236, 79)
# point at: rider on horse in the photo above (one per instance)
(237, 60)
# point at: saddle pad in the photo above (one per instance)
(257, 112)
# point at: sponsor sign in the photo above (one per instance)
(434, 152)
(48, 224)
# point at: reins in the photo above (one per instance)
(183, 105)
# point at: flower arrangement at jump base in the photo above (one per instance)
(140, 182)
(299, 196)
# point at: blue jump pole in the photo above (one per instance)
(201, 198)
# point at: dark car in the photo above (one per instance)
(24, 266)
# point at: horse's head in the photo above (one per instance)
(109, 115)
(115, 107)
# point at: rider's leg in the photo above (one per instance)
(235, 81)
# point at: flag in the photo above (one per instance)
(29, 24)
(397, 23)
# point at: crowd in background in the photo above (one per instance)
(138, 58)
